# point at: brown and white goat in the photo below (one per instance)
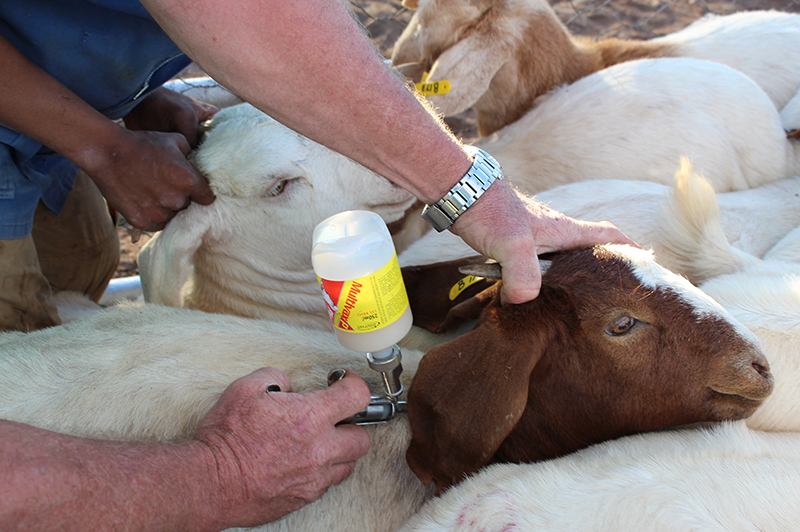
(500, 55)
(601, 353)
(613, 345)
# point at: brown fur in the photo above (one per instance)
(550, 58)
(544, 379)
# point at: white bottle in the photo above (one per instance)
(356, 265)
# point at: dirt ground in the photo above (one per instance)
(633, 19)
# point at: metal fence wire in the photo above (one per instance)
(630, 19)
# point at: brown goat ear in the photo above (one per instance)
(411, 4)
(466, 397)
(436, 293)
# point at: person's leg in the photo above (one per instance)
(78, 250)
(25, 303)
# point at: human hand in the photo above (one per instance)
(513, 229)
(168, 111)
(145, 176)
(277, 451)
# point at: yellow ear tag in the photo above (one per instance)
(432, 88)
(462, 285)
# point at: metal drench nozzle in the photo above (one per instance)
(381, 408)
(390, 366)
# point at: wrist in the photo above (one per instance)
(100, 149)
(484, 171)
(207, 501)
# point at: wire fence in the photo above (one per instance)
(630, 19)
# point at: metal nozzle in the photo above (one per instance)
(390, 368)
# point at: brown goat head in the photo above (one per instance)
(613, 345)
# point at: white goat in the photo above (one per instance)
(712, 479)
(500, 55)
(249, 253)
(150, 372)
(636, 119)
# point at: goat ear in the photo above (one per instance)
(469, 66)
(436, 293)
(411, 4)
(466, 397)
(166, 261)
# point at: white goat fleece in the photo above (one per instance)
(721, 479)
(788, 248)
(635, 120)
(757, 43)
(753, 220)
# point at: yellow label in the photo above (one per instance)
(369, 303)
(462, 285)
(433, 88)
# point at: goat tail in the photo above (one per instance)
(693, 231)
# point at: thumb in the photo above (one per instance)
(522, 279)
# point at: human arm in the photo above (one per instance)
(255, 457)
(309, 65)
(142, 174)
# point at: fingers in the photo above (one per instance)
(347, 443)
(187, 123)
(513, 229)
(260, 380)
(345, 397)
(202, 193)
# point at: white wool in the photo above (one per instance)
(710, 479)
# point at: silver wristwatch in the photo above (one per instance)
(485, 169)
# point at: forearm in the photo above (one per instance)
(35, 104)
(308, 65)
(57, 482)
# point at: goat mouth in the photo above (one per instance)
(733, 405)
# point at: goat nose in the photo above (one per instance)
(762, 369)
(759, 363)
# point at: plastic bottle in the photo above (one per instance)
(356, 265)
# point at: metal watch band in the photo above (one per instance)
(485, 169)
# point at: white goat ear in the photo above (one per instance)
(469, 66)
(166, 261)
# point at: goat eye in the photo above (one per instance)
(621, 326)
(277, 190)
